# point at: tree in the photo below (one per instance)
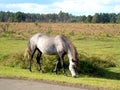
(82, 19)
(19, 17)
(60, 17)
(112, 17)
(89, 19)
(118, 18)
(105, 18)
(96, 18)
(64, 17)
(2, 16)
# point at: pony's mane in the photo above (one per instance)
(71, 47)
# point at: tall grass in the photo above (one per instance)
(89, 29)
(91, 66)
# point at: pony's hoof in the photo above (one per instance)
(55, 71)
(74, 76)
(65, 74)
(41, 71)
(30, 71)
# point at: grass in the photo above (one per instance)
(98, 49)
(103, 47)
(10, 46)
(82, 80)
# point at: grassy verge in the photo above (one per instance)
(81, 80)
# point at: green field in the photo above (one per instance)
(99, 59)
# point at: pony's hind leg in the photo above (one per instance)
(38, 61)
(31, 59)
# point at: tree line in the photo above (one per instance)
(60, 17)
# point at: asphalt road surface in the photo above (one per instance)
(15, 84)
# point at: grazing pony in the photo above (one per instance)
(58, 45)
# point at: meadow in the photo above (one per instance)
(98, 46)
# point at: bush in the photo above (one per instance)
(92, 66)
(5, 27)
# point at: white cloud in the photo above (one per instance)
(25, 7)
(76, 7)
(117, 8)
(88, 7)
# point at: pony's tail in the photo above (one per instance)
(27, 53)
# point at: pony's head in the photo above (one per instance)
(74, 63)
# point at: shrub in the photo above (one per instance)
(92, 66)
(5, 27)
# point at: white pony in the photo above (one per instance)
(58, 45)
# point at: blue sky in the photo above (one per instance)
(75, 7)
(29, 1)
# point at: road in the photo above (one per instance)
(15, 84)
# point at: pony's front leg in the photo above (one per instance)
(63, 66)
(38, 61)
(61, 55)
(57, 66)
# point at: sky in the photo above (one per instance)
(74, 7)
